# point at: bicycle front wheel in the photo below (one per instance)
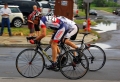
(96, 57)
(27, 68)
(70, 68)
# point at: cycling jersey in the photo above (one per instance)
(50, 21)
(67, 21)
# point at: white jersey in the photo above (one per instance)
(69, 22)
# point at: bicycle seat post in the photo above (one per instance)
(84, 34)
(83, 39)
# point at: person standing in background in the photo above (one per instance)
(30, 26)
(5, 13)
(35, 18)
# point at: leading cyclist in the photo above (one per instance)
(63, 31)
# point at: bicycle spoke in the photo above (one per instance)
(24, 59)
(21, 67)
(34, 69)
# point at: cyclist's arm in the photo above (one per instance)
(43, 31)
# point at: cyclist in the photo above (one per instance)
(62, 31)
(73, 30)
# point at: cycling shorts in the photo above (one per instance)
(60, 33)
(71, 32)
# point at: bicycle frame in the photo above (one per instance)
(38, 47)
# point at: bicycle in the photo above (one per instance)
(30, 63)
(95, 54)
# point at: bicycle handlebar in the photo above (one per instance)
(38, 43)
(29, 38)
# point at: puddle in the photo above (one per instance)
(104, 27)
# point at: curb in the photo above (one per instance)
(11, 42)
(17, 45)
(22, 45)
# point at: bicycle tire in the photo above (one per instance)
(23, 61)
(97, 59)
(80, 71)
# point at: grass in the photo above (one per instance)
(21, 31)
(81, 13)
(93, 23)
(79, 21)
(108, 9)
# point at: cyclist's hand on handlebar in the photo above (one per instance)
(33, 41)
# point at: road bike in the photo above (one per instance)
(30, 63)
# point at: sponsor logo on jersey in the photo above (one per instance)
(58, 34)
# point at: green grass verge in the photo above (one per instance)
(80, 21)
(108, 9)
(23, 30)
(81, 13)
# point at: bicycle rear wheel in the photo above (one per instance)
(96, 57)
(30, 69)
(73, 70)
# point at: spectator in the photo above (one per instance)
(5, 13)
(35, 18)
(30, 26)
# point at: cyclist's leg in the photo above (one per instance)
(54, 51)
(56, 38)
(71, 44)
(69, 34)
(58, 50)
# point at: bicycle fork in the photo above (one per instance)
(33, 56)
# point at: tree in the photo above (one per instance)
(80, 2)
(99, 3)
